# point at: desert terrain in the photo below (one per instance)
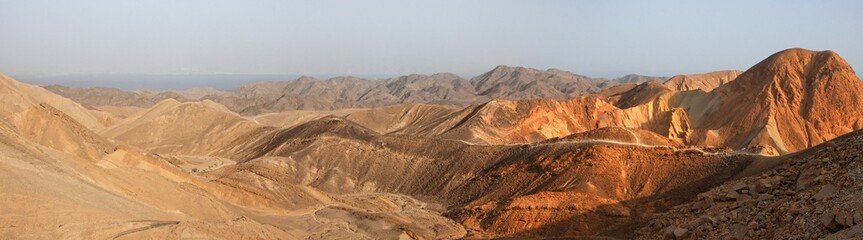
(772, 152)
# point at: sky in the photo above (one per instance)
(593, 38)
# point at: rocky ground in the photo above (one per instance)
(812, 194)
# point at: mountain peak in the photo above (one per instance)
(306, 78)
(555, 70)
(816, 88)
(499, 68)
(505, 70)
(447, 75)
(799, 59)
(796, 66)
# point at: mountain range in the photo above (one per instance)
(770, 152)
(308, 93)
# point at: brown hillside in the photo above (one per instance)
(792, 100)
(813, 194)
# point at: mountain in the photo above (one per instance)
(505, 82)
(792, 100)
(704, 81)
(347, 92)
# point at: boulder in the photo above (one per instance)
(825, 192)
(681, 233)
(828, 220)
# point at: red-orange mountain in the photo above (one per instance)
(792, 100)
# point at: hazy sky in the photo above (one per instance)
(595, 38)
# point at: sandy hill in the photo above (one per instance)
(62, 180)
(18, 97)
(33, 113)
(170, 126)
(402, 119)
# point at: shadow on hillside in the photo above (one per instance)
(600, 223)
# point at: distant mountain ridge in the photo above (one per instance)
(309, 93)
